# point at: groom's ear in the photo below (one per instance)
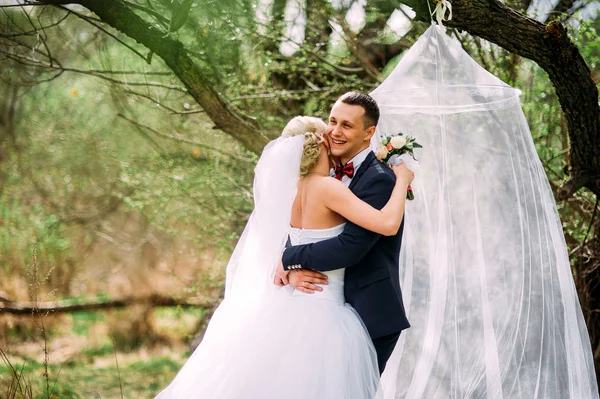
(370, 133)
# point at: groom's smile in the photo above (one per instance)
(348, 130)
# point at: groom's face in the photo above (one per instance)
(347, 130)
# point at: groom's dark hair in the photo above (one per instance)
(371, 116)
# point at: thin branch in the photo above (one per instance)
(33, 32)
(336, 68)
(109, 72)
(125, 83)
(591, 222)
(577, 181)
(29, 61)
(12, 20)
(33, 49)
(88, 20)
(163, 20)
(182, 139)
(153, 100)
(282, 93)
(36, 63)
(189, 112)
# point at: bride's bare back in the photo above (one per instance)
(309, 210)
(323, 202)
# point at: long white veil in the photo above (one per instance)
(249, 274)
(484, 267)
(249, 280)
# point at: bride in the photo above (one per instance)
(266, 341)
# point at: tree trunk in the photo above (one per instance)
(587, 278)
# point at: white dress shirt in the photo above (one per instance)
(357, 160)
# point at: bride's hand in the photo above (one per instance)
(281, 276)
(403, 174)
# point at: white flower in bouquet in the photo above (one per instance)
(398, 142)
(393, 148)
(381, 152)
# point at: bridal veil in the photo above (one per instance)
(485, 273)
(263, 240)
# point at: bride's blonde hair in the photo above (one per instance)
(313, 130)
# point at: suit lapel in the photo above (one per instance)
(363, 167)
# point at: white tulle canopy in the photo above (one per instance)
(484, 266)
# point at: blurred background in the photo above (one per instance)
(129, 131)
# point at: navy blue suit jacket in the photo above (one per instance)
(372, 281)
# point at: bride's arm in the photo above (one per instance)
(386, 221)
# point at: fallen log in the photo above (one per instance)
(74, 305)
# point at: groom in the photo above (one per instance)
(372, 281)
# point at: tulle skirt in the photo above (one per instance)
(281, 346)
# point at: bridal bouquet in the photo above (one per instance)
(393, 148)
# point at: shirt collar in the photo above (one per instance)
(359, 158)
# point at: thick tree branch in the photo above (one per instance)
(552, 49)
(562, 7)
(276, 25)
(67, 306)
(116, 14)
(358, 51)
(378, 54)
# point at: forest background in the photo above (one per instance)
(129, 130)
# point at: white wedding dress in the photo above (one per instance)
(286, 344)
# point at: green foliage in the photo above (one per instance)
(180, 15)
(79, 165)
(24, 225)
(83, 321)
(125, 187)
(142, 378)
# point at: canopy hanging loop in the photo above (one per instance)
(442, 7)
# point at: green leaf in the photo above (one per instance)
(180, 16)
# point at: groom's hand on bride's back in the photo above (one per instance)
(305, 280)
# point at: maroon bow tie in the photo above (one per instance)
(347, 170)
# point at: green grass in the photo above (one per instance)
(139, 378)
(96, 351)
(82, 355)
(82, 321)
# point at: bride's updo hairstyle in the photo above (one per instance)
(312, 129)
